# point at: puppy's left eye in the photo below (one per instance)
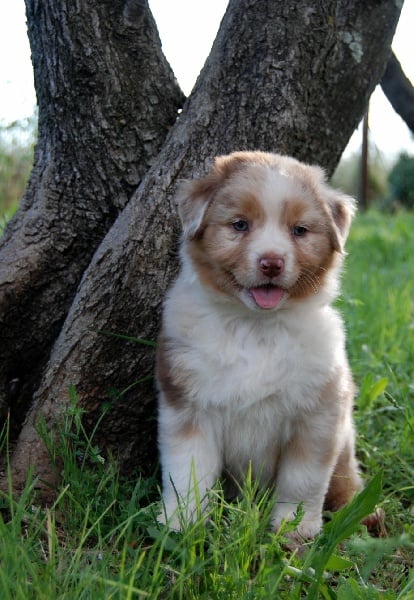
(299, 231)
(240, 225)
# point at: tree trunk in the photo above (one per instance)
(107, 98)
(399, 91)
(293, 78)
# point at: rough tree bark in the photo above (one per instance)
(399, 91)
(107, 98)
(288, 77)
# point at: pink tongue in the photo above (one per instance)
(267, 297)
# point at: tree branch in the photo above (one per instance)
(107, 99)
(399, 91)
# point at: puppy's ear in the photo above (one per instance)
(193, 199)
(342, 209)
(195, 196)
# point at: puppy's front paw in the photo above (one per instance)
(173, 522)
(170, 516)
(298, 539)
(307, 529)
(178, 516)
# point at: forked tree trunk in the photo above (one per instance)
(288, 77)
(107, 98)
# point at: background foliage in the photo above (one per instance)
(401, 179)
(16, 159)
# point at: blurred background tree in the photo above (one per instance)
(401, 181)
(347, 175)
(17, 142)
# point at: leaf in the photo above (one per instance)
(378, 388)
(371, 390)
(338, 563)
(343, 524)
(164, 537)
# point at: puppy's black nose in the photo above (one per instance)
(271, 265)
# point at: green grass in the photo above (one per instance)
(101, 539)
(378, 305)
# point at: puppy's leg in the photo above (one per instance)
(345, 480)
(304, 472)
(191, 462)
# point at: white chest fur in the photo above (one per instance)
(236, 360)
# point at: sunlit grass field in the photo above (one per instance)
(101, 540)
(378, 306)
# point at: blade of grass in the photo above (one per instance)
(343, 524)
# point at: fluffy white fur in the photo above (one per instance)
(251, 365)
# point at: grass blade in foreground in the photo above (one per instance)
(343, 524)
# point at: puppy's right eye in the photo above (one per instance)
(299, 231)
(240, 225)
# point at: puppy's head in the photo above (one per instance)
(263, 229)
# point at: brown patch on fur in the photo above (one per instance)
(375, 523)
(293, 211)
(313, 270)
(228, 165)
(314, 251)
(298, 447)
(340, 215)
(188, 430)
(173, 390)
(219, 252)
(345, 480)
(301, 446)
(342, 209)
(330, 391)
(211, 276)
(195, 196)
(233, 203)
(215, 274)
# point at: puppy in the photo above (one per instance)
(251, 364)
